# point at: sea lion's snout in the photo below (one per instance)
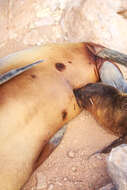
(96, 90)
(84, 95)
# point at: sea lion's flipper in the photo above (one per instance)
(106, 53)
(15, 72)
(111, 75)
(109, 72)
(109, 147)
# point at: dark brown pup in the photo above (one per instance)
(107, 105)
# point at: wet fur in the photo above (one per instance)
(106, 104)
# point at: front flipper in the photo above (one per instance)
(15, 72)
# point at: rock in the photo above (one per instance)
(3, 22)
(117, 166)
(29, 23)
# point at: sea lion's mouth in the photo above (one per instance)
(83, 97)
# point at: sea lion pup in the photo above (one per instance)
(107, 105)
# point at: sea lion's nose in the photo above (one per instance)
(80, 96)
(77, 93)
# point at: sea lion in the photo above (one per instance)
(106, 104)
(38, 102)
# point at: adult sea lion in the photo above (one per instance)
(38, 102)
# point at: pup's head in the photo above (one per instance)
(106, 104)
(94, 94)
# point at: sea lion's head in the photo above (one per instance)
(107, 104)
(95, 93)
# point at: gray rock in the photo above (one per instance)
(117, 166)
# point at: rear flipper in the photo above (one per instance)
(111, 75)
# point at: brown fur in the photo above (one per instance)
(106, 104)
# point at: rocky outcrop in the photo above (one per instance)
(28, 23)
(117, 166)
